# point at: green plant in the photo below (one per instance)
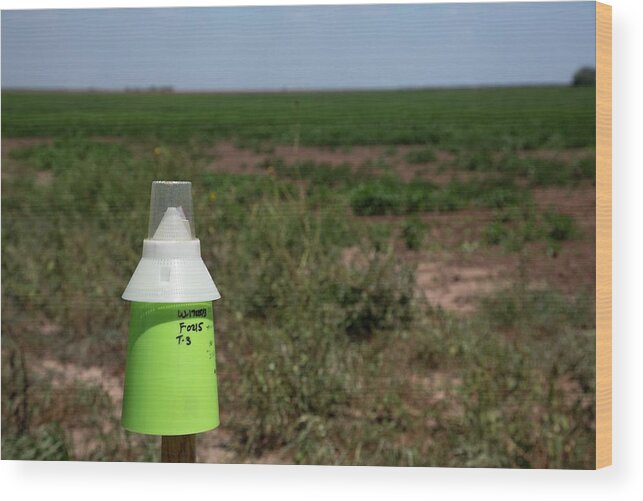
(515, 227)
(413, 233)
(377, 198)
(376, 296)
(476, 161)
(45, 444)
(560, 227)
(420, 156)
(495, 233)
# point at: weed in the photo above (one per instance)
(413, 232)
(514, 227)
(560, 227)
(421, 156)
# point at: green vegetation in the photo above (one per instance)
(328, 352)
(420, 156)
(512, 118)
(389, 195)
(535, 171)
(413, 232)
(516, 227)
(560, 227)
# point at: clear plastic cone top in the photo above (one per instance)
(171, 269)
(176, 195)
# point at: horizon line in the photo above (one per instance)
(168, 89)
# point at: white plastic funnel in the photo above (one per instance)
(171, 269)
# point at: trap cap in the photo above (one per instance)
(171, 269)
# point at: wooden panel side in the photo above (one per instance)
(603, 235)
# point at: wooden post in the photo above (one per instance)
(178, 449)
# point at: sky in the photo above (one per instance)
(298, 47)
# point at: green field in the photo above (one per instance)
(451, 119)
(407, 276)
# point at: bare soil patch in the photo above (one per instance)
(11, 168)
(458, 280)
(455, 288)
(62, 374)
(228, 157)
(580, 203)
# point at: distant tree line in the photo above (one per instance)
(584, 77)
(163, 89)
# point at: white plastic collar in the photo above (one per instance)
(171, 271)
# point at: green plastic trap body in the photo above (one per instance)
(170, 379)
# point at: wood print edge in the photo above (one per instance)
(603, 235)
